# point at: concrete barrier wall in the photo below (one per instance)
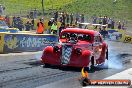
(126, 39)
(1, 42)
(25, 42)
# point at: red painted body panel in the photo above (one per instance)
(76, 60)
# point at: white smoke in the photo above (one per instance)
(114, 62)
(38, 55)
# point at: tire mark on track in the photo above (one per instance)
(9, 70)
(34, 77)
(30, 65)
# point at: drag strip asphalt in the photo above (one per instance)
(24, 70)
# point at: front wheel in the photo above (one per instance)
(91, 66)
(107, 54)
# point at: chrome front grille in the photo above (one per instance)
(66, 54)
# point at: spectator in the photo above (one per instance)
(109, 22)
(2, 9)
(94, 19)
(56, 16)
(7, 20)
(77, 18)
(50, 23)
(100, 20)
(123, 26)
(71, 16)
(119, 25)
(68, 25)
(103, 32)
(40, 26)
(63, 17)
(82, 18)
(35, 13)
(112, 24)
(14, 24)
(20, 25)
(61, 28)
(54, 28)
(104, 20)
(67, 18)
(28, 26)
(32, 24)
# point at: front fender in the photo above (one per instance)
(86, 57)
(49, 56)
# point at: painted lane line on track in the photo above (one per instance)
(126, 74)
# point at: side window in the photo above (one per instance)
(65, 35)
(88, 37)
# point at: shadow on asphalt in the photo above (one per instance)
(73, 69)
(34, 63)
(124, 55)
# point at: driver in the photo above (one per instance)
(73, 37)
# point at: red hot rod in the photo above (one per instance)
(77, 48)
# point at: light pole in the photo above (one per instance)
(43, 6)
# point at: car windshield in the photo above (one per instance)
(82, 37)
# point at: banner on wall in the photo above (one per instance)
(128, 39)
(20, 42)
(1, 42)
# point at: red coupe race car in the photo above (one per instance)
(77, 48)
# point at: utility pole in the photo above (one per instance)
(113, 4)
(43, 6)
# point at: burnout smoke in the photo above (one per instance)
(114, 62)
(38, 55)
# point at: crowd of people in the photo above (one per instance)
(109, 21)
(69, 18)
(65, 19)
(17, 22)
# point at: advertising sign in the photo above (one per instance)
(20, 42)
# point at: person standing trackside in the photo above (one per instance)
(54, 28)
(67, 18)
(40, 26)
(119, 25)
(71, 16)
(56, 15)
(28, 26)
(82, 18)
(32, 24)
